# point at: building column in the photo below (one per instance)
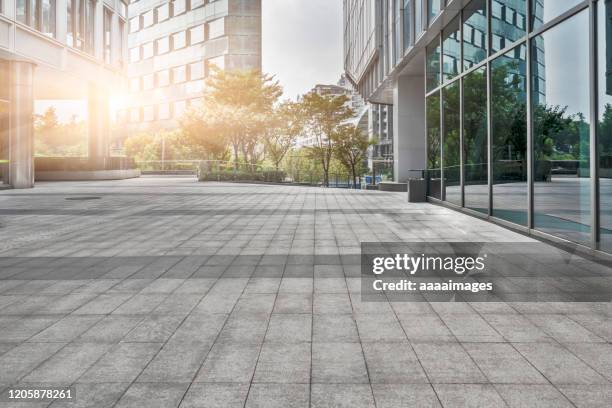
(99, 128)
(21, 124)
(409, 140)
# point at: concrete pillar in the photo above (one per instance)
(21, 124)
(99, 128)
(409, 140)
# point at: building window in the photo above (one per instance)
(162, 45)
(561, 130)
(196, 71)
(148, 113)
(135, 115)
(475, 151)
(197, 3)
(544, 11)
(121, 44)
(135, 54)
(433, 64)
(179, 74)
(604, 125)
(216, 28)
(451, 49)
(148, 82)
(81, 24)
(147, 50)
(38, 14)
(134, 24)
(509, 136)
(218, 62)
(407, 29)
(418, 17)
(474, 33)
(163, 111)
(179, 40)
(122, 9)
(108, 15)
(179, 108)
(503, 32)
(197, 34)
(134, 84)
(433, 9)
(434, 174)
(163, 78)
(179, 7)
(163, 12)
(148, 19)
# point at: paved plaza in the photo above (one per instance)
(166, 292)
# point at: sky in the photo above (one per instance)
(302, 43)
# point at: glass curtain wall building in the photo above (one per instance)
(174, 44)
(517, 124)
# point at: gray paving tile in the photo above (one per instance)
(338, 363)
(596, 355)
(20, 360)
(66, 329)
(379, 328)
(289, 328)
(588, 396)
(245, 328)
(293, 303)
(501, 363)
(110, 329)
(448, 363)
(558, 365)
(278, 396)
(102, 395)
(199, 328)
(122, 364)
(469, 395)
(334, 328)
(425, 328)
(405, 395)
(175, 363)
(67, 365)
(335, 303)
(152, 395)
(536, 396)
(201, 395)
(154, 329)
(341, 396)
(284, 363)
(229, 363)
(393, 363)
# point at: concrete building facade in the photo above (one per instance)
(502, 105)
(172, 47)
(57, 50)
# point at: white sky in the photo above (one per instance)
(302, 42)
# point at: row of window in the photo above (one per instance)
(163, 111)
(164, 12)
(176, 41)
(80, 24)
(176, 75)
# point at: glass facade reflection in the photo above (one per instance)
(434, 171)
(561, 130)
(509, 135)
(604, 120)
(549, 112)
(451, 146)
(475, 140)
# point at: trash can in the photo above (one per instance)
(417, 190)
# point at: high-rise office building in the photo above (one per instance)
(53, 51)
(504, 104)
(172, 47)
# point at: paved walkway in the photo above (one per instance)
(162, 292)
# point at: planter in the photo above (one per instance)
(417, 190)
(395, 187)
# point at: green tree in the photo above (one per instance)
(324, 114)
(288, 124)
(351, 148)
(247, 99)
